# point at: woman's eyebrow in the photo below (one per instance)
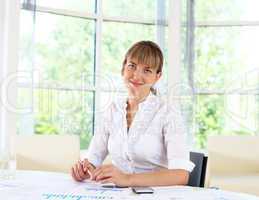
(132, 63)
(148, 68)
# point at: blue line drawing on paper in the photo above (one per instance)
(53, 196)
(103, 190)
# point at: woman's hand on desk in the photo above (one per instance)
(82, 170)
(163, 177)
(110, 174)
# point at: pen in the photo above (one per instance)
(113, 186)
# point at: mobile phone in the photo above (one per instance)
(143, 190)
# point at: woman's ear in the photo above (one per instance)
(158, 75)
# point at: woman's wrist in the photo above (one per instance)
(130, 180)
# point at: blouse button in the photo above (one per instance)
(128, 158)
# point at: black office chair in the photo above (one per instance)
(197, 176)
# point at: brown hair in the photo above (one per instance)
(145, 52)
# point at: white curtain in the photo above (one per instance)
(9, 43)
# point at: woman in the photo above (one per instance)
(143, 136)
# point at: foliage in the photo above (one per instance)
(216, 63)
(209, 118)
(44, 126)
(65, 60)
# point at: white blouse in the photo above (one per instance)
(155, 139)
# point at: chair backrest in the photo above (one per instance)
(233, 154)
(47, 152)
(197, 176)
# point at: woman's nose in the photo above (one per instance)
(137, 74)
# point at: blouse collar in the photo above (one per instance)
(122, 102)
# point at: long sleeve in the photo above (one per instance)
(98, 150)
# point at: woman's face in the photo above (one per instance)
(138, 77)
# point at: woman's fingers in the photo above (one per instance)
(75, 173)
(90, 168)
(78, 173)
(101, 168)
(81, 172)
(96, 173)
(107, 180)
(87, 166)
(103, 172)
(104, 175)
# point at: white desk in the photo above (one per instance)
(35, 185)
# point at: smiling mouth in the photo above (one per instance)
(136, 84)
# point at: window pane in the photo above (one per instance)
(117, 41)
(26, 41)
(184, 59)
(75, 5)
(106, 98)
(145, 9)
(184, 11)
(227, 58)
(64, 49)
(25, 114)
(49, 111)
(224, 115)
(220, 10)
(58, 55)
(162, 83)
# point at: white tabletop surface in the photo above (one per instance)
(36, 185)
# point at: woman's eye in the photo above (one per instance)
(147, 71)
(131, 66)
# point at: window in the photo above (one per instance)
(71, 54)
(224, 71)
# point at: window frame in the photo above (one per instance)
(191, 24)
(9, 40)
(160, 24)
